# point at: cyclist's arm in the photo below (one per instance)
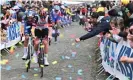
(33, 30)
(50, 26)
(22, 28)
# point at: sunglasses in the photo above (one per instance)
(131, 32)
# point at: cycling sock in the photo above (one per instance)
(46, 55)
(25, 50)
(35, 53)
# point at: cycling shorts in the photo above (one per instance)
(41, 33)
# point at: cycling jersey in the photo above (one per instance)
(55, 16)
(28, 26)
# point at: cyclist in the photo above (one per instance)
(56, 19)
(28, 24)
(45, 24)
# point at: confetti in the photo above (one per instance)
(79, 78)
(107, 46)
(69, 66)
(73, 44)
(42, 65)
(77, 45)
(70, 78)
(17, 55)
(64, 70)
(12, 50)
(5, 61)
(1, 62)
(67, 57)
(54, 62)
(35, 75)
(61, 36)
(0, 67)
(8, 68)
(58, 78)
(89, 56)
(20, 43)
(80, 72)
(23, 76)
(35, 69)
(72, 36)
(62, 57)
(74, 54)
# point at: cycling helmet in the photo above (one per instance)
(56, 7)
(30, 14)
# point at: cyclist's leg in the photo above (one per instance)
(36, 42)
(25, 47)
(46, 44)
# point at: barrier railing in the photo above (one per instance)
(111, 54)
(12, 36)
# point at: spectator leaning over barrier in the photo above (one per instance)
(102, 26)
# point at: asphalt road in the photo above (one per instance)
(75, 61)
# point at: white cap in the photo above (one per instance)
(15, 7)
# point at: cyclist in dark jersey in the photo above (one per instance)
(28, 23)
(45, 24)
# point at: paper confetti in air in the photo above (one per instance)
(80, 72)
(35, 75)
(8, 68)
(23, 76)
(67, 57)
(69, 66)
(54, 62)
(73, 44)
(58, 78)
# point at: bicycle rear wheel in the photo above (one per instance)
(41, 60)
(28, 58)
